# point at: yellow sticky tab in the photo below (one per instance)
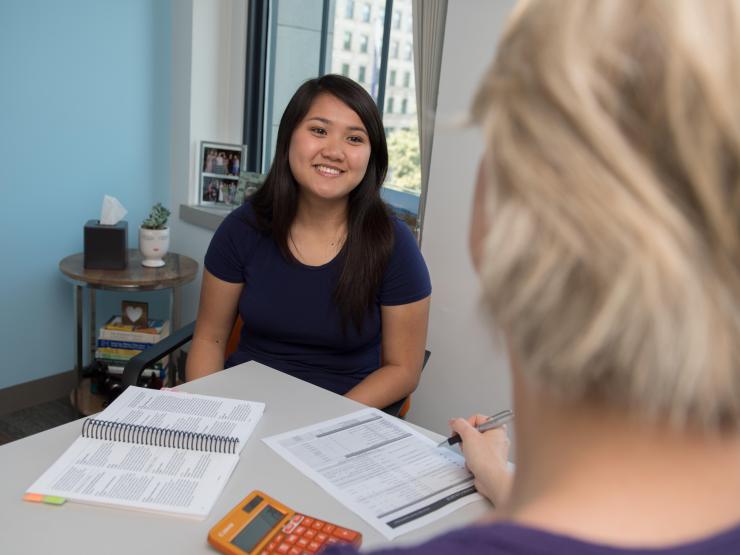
(33, 497)
(54, 500)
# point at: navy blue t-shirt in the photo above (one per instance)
(506, 538)
(291, 321)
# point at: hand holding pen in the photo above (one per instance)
(496, 421)
(486, 454)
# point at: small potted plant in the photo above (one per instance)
(154, 237)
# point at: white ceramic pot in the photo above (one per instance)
(154, 244)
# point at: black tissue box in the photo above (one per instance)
(106, 246)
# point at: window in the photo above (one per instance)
(407, 51)
(396, 20)
(329, 49)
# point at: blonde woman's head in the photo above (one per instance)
(612, 254)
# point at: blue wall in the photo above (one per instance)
(84, 111)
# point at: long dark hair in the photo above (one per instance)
(369, 228)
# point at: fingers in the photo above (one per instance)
(464, 429)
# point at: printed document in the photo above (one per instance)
(394, 477)
(165, 451)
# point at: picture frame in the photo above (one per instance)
(134, 313)
(220, 168)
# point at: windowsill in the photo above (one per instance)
(203, 216)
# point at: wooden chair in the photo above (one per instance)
(136, 365)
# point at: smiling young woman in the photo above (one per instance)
(331, 288)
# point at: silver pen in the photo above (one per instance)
(496, 421)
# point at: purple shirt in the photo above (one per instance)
(512, 539)
(291, 322)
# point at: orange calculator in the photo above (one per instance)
(259, 524)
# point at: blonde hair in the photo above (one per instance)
(613, 254)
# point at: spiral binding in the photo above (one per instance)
(148, 435)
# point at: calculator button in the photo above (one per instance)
(344, 534)
(288, 528)
(310, 534)
(303, 542)
(330, 541)
(314, 546)
(307, 521)
(283, 548)
(279, 538)
(300, 530)
(318, 525)
(291, 539)
(321, 537)
(295, 551)
(271, 546)
(328, 528)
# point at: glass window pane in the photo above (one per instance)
(349, 9)
(402, 187)
(364, 60)
(294, 51)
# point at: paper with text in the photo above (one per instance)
(388, 473)
(165, 451)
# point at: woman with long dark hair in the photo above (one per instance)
(332, 289)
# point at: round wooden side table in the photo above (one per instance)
(177, 271)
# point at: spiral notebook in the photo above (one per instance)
(164, 451)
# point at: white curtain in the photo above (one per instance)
(429, 29)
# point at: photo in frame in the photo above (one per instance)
(134, 313)
(221, 166)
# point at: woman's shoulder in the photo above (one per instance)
(506, 538)
(403, 237)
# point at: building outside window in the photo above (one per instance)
(366, 12)
(407, 79)
(364, 42)
(361, 74)
(347, 44)
(345, 70)
(404, 105)
(408, 51)
(349, 9)
(392, 78)
(396, 20)
(389, 105)
(394, 49)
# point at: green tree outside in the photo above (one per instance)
(404, 171)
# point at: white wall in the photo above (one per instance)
(208, 52)
(467, 372)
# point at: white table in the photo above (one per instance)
(76, 528)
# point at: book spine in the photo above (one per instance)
(112, 344)
(131, 336)
(126, 354)
(106, 430)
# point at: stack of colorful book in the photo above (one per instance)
(118, 342)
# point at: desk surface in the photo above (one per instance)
(77, 528)
(178, 270)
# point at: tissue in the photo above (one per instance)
(112, 211)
